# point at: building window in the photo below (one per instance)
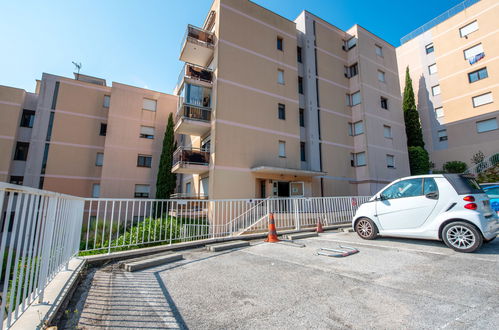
(14, 179)
(384, 102)
(439, 112)
(99, 159)
(144, 161)
(27, 118)
(472, 52)
(355, 128)
(350, 43)
(429, 48)
(353, 99)
(390, 161)
(435, 90)
(303, 155)
(482, 99)
(103, 129)
(148, 104)
(146, 132)
(280, 76)
(486, 125)
(302, 118)
(298, 55)
(282, 149)
(95, 190)
(432, 69)
(381, 76)
(280, 43)
(467, 29)
(379, 50)
(478, 75)
(387, 131)
(21, 152)
(107, 101)
(141, 191)
(352, 70)
(358, 159)
(281, 113)
(187, 189)
(442, 135)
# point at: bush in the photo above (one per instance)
(455, 166)
(477, 158)
(419, 161)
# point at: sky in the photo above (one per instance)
(138, 42)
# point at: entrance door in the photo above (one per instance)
(283, 189)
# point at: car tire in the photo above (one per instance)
(462, 237)
(366, 228)
(486, 241)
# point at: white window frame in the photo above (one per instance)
(297, 183)
(99, 159)
(436, 87)
(387, 129)
(149, 104)
(432, 69)
(280, 77)
(390, 161)
(439, 112)
(146, 131)
(282, 149)
(482, 99)
(473, 51)
(468, 28)
(430, 45)
(442, 135)
(143, 188)
(486, 125)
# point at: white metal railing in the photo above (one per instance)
(40, 233)
(483, 165)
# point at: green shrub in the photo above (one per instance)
(419, 161)
(455, 166)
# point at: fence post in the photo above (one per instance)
(47, 245)
(297, 218)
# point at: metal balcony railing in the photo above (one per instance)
(199, 36)
(194, 72)
(188, 196)
(193, 112)
(192, 156)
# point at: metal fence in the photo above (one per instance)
(484, 165)
(40, 233)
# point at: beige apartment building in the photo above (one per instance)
(81, 137)
(455, 70)
(271, 107)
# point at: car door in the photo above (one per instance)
(406, 204)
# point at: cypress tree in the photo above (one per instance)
(166, 180)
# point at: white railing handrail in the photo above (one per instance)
(25, 189)
(483, 165)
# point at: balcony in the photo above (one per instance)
(197, 46)
(192, 120)
(198, 75)
(188, 160)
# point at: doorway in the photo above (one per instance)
(283, 189)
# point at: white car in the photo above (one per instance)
(448, 207)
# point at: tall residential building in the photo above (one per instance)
(273, 107)
(81, 137)
(455, 70)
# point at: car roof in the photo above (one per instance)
(421, 176)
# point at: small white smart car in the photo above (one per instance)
(448, 207)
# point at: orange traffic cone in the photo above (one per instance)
(272, 236)
(319, 228)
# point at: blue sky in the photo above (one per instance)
(138, 42)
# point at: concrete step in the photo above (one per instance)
(151, 262)
(300, 235)
(226, 246)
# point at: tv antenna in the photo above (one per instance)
(78, 67)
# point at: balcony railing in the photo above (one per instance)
(188, 196)
(191, 156)
(194, 72)
(193, 112)
(199, 36)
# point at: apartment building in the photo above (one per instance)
(82, 137)
(271, 107)
(455, 70)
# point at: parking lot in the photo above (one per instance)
(391, 283)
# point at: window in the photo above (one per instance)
(280, 77)
(103, 129)
(107, 101)
(141, 191)
(188, 186)
(381, 76)
(281, 111)
(473, 51)
(477, 75)
(358, 159)
(384, 103)
(282, 149)
(27, 118)
(379, 50)
(144, 161)
(390, 161)
(146, 132)
(350, 43)
(21, 152)
(14, 179)
(302, 118)
(353, 99)
(303, 156)
(432, 69)
(356, 128)
(352, 70)
(442, 135)
(467, 29)
(429, 48)
(149, 104)
(435, 90)
(95, 190)
(99, 159)
(439, 112)
(280, 43)
(300, 85)
(298, 54)
(486, 125)
(387, 131)
(482, 99)
(403, 189)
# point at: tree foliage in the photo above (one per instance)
(455, 166)
(411, 116)
(419, 161)
(166, 180)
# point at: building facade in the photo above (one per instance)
(271, 107)
(81, 137)
(455, 70)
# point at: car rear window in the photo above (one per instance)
(464, 184)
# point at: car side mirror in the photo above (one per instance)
(381, 198)
(432, 195)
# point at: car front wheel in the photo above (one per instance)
(462, 237)
(366, 229)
